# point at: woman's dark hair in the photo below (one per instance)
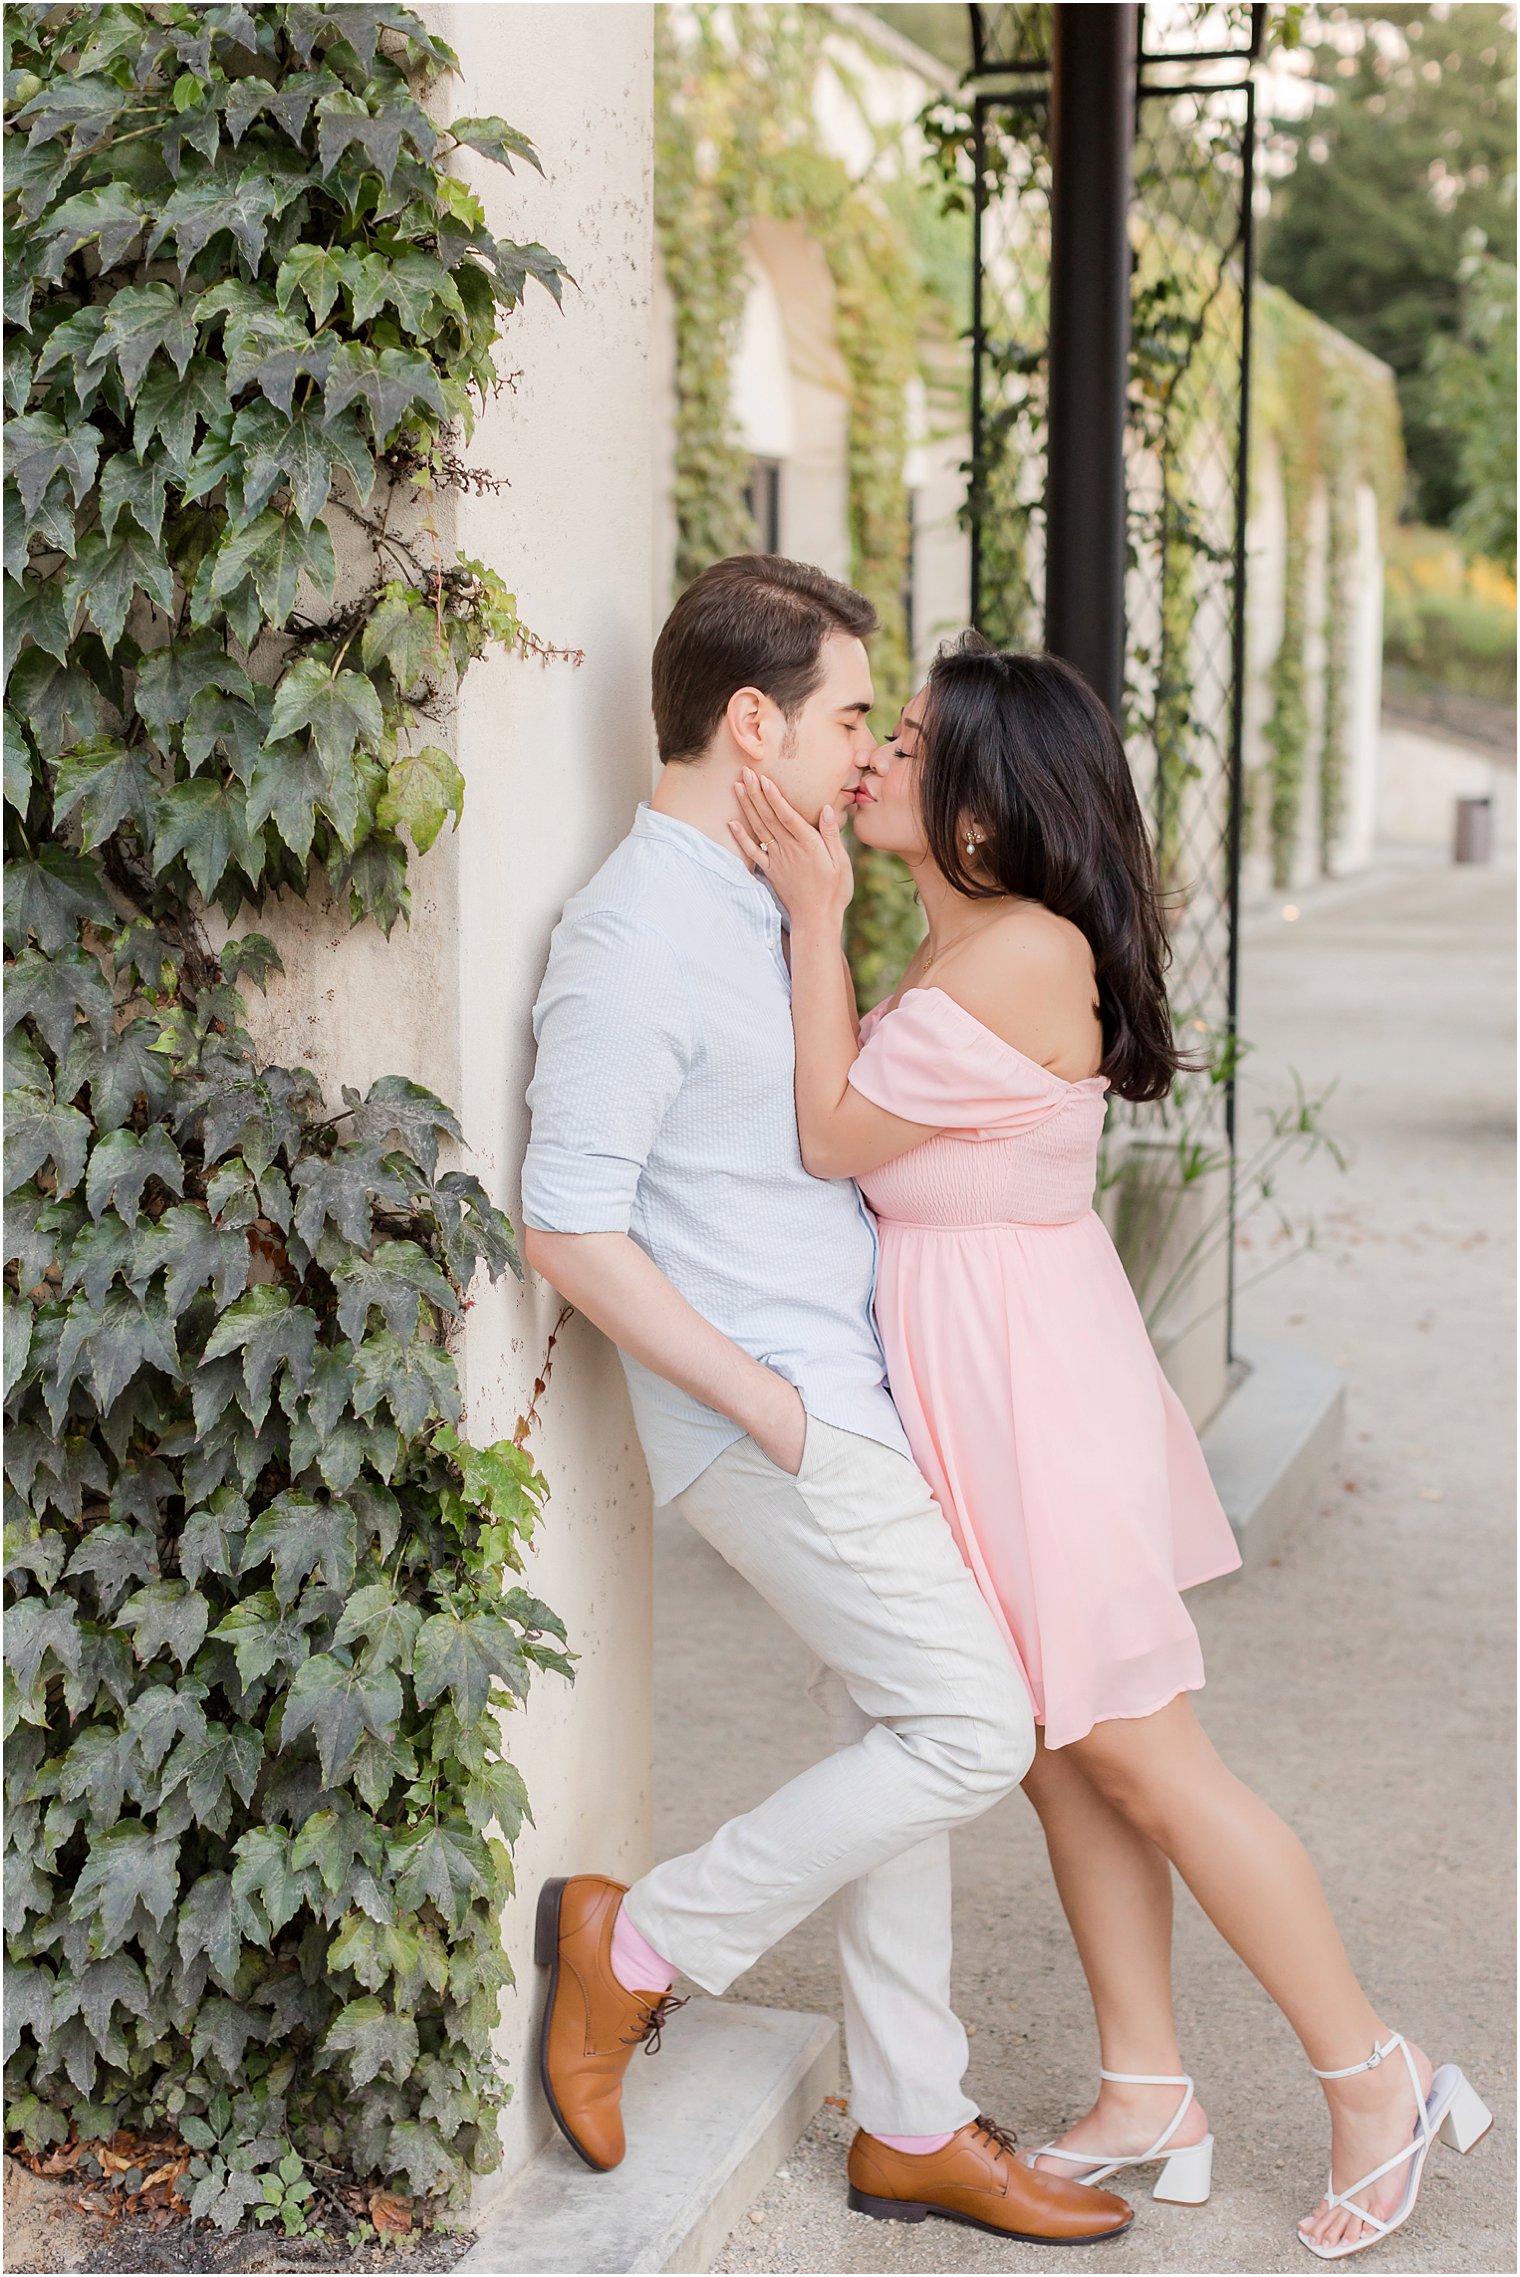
(756, 620)
(1021, 746)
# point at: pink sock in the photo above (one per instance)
(921, 2145)
(635, 1963)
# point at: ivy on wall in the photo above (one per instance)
(1332, 415)
(260, 1606)
(736, 139)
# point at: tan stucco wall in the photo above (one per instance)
(555, 758)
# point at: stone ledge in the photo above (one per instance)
(709, 2119)
(1271, 1443)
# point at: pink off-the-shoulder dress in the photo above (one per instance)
(1027, 1384)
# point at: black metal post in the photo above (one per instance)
(978, 487)
(1092, 138)
(1238, 667)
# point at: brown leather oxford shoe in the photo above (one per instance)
(976, 2179)
(592, 2023)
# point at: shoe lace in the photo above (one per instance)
(1003, 2137)
(653, 2021)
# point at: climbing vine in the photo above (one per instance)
(260, 1607)
(1332, 416)
(735, 140)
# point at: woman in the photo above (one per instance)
(969, 1107)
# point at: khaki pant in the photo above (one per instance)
(931, 1723)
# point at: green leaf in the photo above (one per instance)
(108, 572)
(34, 1627)
(212, 1538)
(495, 139)
(117, 1072)
(208, 823)
(206, 1925)
(397, 1275)
(40, 1130)
(376, 2041)
(287, 787)
(462, 1656)
(18, 765)
(112, 1555)
(397, 1113)
(107, 780)
(267, 1889)
(498, 1792)
(225, 1757)
(263, 1635)
(126, 483)
(39, 446)
(28, 2004)
(124, 1868)
(216, 720)
(422, 789)
(275, 550)
(166, 1615)
(339, 1703)
(403, 633)
(223, 2028)
(228, 196)
(319, 273)
(298, 1534)
(386, 1625)
(139, 320)
(122, 1162)
(341, 710)
(446, 1861)
(48, 894)
(268, 1330)
(97, 1769)
(342, 1188)
(387, 385)
(193, 1253)
(169, 681)
(415, 1382)
(49, 989)
(418, 2151)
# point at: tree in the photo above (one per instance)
(1472, 380)
(1408, 149)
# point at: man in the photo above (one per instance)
(664, 1195)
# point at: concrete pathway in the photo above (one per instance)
(1361, 1680)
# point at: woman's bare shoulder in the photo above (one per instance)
(1029, 977)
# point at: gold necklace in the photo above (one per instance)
(966, 936)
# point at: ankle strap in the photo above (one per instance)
(1394, 2040)
(1146, 2078)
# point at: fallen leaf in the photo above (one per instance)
(391, 2216)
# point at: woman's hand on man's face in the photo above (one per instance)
(810, 869)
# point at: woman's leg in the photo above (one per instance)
(1116, 1890)
(1254, 1880)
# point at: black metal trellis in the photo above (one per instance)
(1187, 447)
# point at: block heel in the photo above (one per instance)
(546, 1925)
(1467, 2120)
(1188, 2175)
(886, 2209)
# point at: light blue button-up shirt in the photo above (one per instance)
(663, 1108)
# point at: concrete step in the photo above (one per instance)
(709, 2118)
(1270, 1445)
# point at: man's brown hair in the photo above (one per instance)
(755, 620)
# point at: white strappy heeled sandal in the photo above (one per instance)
(1452, 2110)
(1185, 2179)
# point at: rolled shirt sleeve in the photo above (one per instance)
(616, 1035)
